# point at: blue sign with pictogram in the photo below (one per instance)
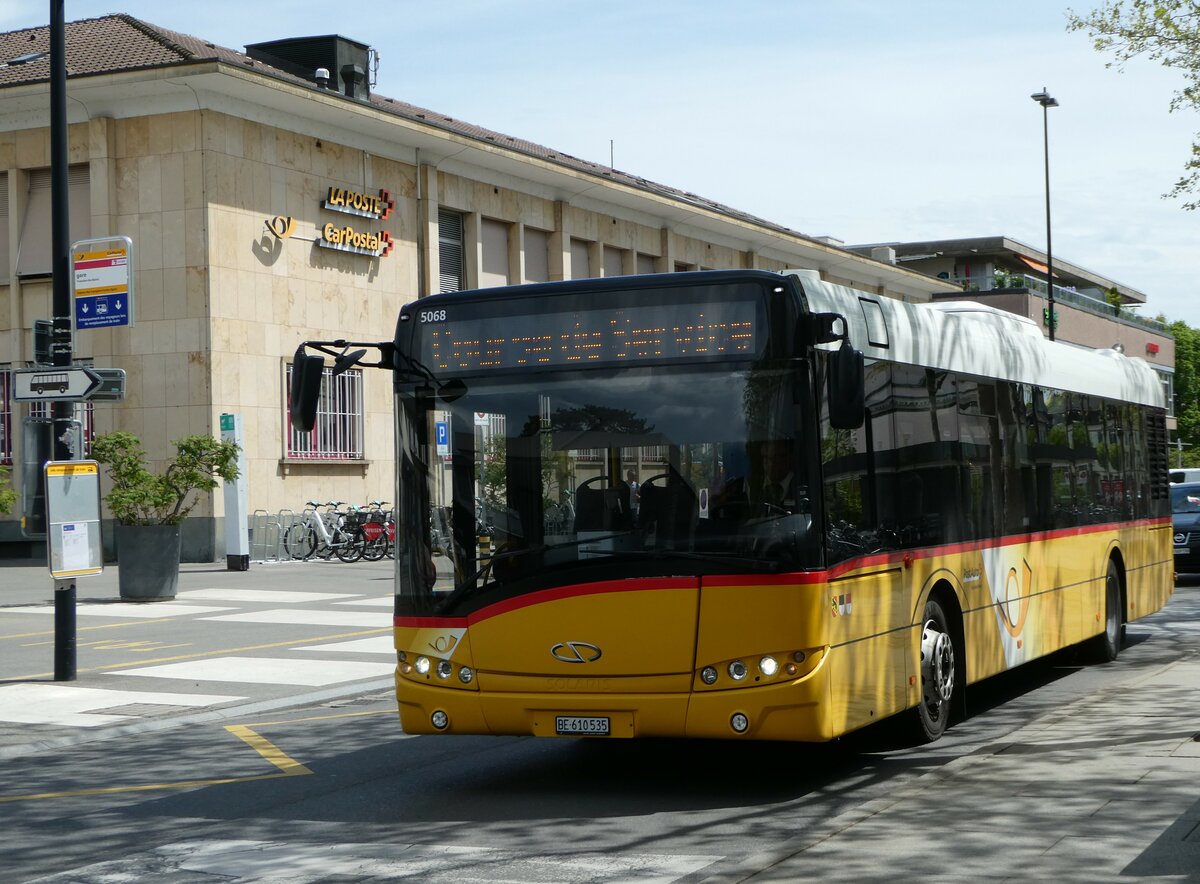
(442, 435)
(100, 311)
(102, 282)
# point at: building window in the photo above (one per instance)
(493, 268)
(450, 251)
(537, 255)
(1168, 384)
(35, 247)
(83, 413)
(338, 433)
(614, 261)
(5, 267)
(6, 416)
(581, 259)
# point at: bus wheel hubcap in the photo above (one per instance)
(937, 664)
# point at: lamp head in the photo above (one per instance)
(1044, 98)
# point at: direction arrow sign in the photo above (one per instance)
(70, 383)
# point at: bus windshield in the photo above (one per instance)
(588, 475)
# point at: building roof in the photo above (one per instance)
(120, 42)
(1017, 252)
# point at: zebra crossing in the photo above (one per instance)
(192, 672)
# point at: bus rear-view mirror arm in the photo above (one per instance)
(309, 368)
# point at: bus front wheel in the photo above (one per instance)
(1105, 647)
(939, 673)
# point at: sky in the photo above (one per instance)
(865, 120)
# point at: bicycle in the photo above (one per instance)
(324, 535)
(378, 529)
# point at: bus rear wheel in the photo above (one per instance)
(939, 673)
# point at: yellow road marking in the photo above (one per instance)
(288, 767)
(198, 656)
(88, 628)
(114, 644)
(268, 750)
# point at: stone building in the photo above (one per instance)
(272, 197)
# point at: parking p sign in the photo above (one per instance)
(442, 434)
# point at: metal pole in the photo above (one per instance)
(60, 345)
(1049, 249)
(1047, 101)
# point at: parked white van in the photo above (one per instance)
(1184, 475)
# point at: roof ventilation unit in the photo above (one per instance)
(348, 60)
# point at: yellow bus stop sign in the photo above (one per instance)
(73, 518)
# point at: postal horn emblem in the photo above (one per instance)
(282, 226)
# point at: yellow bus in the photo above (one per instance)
(749, 505)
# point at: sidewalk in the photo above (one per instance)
(230, 642)
(1105, 787)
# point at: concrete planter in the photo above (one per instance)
(148, 562)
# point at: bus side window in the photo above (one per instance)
(858, 469)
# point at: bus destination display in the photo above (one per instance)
(616, 336)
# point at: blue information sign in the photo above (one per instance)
(442, 432)
(102, 282)
(99, 311)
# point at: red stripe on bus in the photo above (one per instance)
(796, 578)
(646, 584)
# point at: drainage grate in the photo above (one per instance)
(364, 700)
(138, 710)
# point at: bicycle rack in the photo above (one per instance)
(266, 535)
(261, 542)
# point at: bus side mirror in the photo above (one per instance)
(305, 391)
(847, 397)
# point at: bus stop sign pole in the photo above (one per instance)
(60, 343)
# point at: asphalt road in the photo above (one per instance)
(1061, 772)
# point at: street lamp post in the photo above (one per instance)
(1046, 100)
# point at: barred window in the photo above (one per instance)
(5, 270)
(450, 251)
(338, 433)
(83, 413)
(6, 416)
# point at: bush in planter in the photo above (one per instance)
(149, 507)
(7, 496)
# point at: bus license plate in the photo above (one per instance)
(581, 725)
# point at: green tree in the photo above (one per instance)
(1166, 31)
(140, 497)
(1187, 389)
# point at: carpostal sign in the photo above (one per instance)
(345, 238)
